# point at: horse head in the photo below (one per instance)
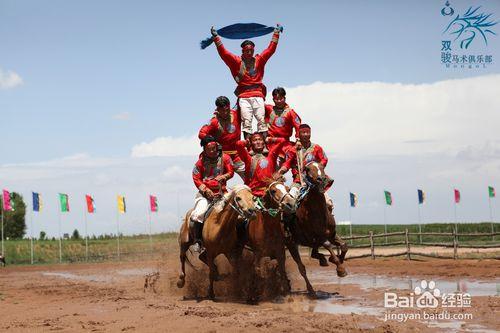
(277, 191)
(315, 175)
(241, 200)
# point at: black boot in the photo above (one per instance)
(198, 237)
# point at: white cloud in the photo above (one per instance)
(167, 146)
(374, 118)
(122, 116)
(9, 79)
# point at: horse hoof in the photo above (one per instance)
(312, 294)
(180, 283)
(323, 262)
(341, 272)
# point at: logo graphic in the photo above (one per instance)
(263, 163)
(447, 10)
(231, 128)
(426, 295)
(309, 158)
(280, 122)
(470, 25)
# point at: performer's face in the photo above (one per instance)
(305, 135)
(223, 111)
(247, 52)
(211, 150)
(257, 142)
(279, 101)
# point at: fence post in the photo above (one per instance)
(372, 248)
(407, 245)
(455, 244)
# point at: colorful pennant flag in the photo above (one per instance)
(421, 196)
(457, 196)
(388, 198)
(153, 203)
(354, 199)
(90, 204)
(122, 207)
(64, 201)
(7, 202)
(491, 192)
(37, 202)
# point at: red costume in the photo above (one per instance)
(312, 154)
(226, 132)
(259, 169)
(205, 171)
(281, 123)
(249, 75)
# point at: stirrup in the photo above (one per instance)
(197, 247)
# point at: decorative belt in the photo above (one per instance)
(229, 152)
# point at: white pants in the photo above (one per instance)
(249, 107)
(200, 208)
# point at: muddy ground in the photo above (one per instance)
(111, 297)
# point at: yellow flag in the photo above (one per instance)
(122, 208)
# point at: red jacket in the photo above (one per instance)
(312, 154)
(249, 80)
(227, 135)
(259, 169)
(205, 171)
(281, 125)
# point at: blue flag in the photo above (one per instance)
(239, 31)
(354, 199)
(37, 203)
(421, 197)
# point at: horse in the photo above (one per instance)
(265, 236)
(223, 217)
(314, 226)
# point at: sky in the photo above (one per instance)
(106, 98)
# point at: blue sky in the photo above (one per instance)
(100, 77)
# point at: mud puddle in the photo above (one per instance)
(101, 277)
(366, 282)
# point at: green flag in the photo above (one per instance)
(388, 198)
(63, 199)
(491, 191)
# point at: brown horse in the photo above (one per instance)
(265, 234)
(314, 226)
(219, 231)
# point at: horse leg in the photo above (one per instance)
(255, 290)
(294, 251)
(212, 276)
(320, 256)
(334, 259)
(343, 247)
(285, 282)
(182, 275)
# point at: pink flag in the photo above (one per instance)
(457, 196)
(153, 203)
(6, 201)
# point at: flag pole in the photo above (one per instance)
(350, 221)
(118, 233)
(385, 223)
(60, 240)
(31, 238)
(491, 218)
(86, 231)
(150, 237)
(419, 224)
(3, 249)
(455, 212)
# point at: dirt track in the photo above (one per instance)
(111, 297)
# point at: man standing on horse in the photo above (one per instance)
(259, 169)
(248, 72)
(210, 174)
(281, 121)
(308, 152)
(225, 127)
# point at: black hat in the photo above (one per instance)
(247, 42)
(206, 140)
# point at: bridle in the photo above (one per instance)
(236, 206)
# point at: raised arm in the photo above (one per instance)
(274, 151)
(208, 129)
(267, 53)
(243, 153)
(230, 59)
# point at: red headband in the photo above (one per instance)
(213, 143)
(248, 47)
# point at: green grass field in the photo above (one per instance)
(135, 247)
